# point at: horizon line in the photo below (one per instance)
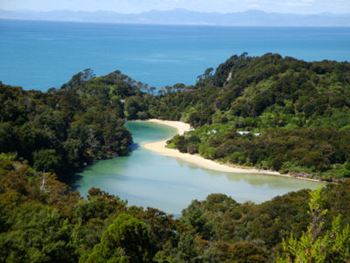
(170, 24)
(175, 9)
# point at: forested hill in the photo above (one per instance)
(65, 129)
(297, 114)
(271, 112)
(271, 90)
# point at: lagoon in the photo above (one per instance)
(148, 179)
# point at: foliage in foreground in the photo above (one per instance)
(317, 244)
(42, 221)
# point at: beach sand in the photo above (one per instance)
(160, 147)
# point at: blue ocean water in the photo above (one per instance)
(39, 55)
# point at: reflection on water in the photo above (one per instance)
(148, 179)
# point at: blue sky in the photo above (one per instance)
(224, 6)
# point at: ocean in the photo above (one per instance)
(40, 55)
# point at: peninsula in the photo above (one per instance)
(161, 148)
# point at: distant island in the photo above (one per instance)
(187, 17)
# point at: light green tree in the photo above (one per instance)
(317, 244)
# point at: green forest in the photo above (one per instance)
(63, 130)
(270, 112)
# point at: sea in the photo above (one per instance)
(41, 55)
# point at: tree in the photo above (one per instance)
(38, 233)
(318, 244)
(46, 160)
(125, 240)
(133, 106)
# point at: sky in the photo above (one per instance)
(222, 6)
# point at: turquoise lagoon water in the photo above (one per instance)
(150, 180)
(41, 55)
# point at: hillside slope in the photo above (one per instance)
(271, 111)
(65, 129)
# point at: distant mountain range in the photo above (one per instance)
(186, 17)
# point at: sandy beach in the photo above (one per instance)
(160, 147)
(181, 127)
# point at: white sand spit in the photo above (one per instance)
(160, 147)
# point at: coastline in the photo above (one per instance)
(160, 148)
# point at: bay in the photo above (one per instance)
(40, 55)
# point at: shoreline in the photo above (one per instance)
(181, 127)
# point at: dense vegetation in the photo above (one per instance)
(272, 112)
(65, 129)
(42, 221)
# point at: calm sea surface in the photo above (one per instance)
(148, 179)
(45, 54)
